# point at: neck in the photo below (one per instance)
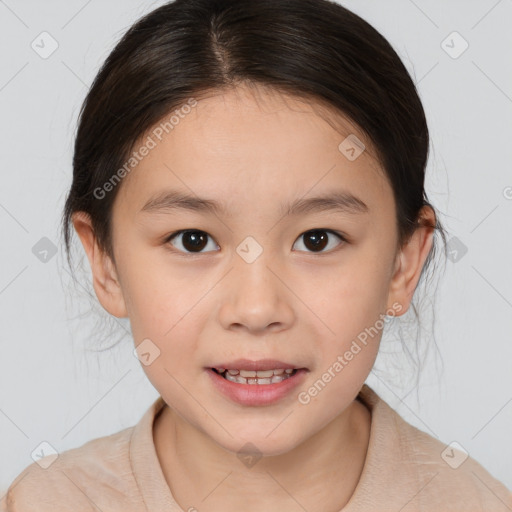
(319, 474)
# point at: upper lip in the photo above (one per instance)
(261, 364)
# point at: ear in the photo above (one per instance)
(410, 260)
(105, 281)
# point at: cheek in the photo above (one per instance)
(168, 313)
(160, 299)
(351, 302)
(351, 293)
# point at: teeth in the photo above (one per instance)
(263, 374)
(260, 374)
(257, 377)
(247, 373)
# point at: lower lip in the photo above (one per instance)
(257, 394)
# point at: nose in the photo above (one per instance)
(256, 297)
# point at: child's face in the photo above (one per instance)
(293, 302)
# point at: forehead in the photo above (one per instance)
(251, 147)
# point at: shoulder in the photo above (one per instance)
(448, 477)
(94, 476)
(445, 475)
(417, 471)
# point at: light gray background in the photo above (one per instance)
(52, 389)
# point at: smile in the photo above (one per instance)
(260, 377)
(253, 390)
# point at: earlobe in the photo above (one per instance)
(409, 263)
(105, 281)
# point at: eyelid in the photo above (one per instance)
(167, 239)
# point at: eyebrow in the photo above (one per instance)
(336, 201)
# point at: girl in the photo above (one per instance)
(248, 186)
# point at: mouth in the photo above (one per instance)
(258, 377)
(256, 383)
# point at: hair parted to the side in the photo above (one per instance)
(313, 49)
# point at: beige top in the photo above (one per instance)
(404, 471)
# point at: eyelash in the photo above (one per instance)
(170, 237)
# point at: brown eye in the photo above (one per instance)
(195, 241)
(191, 240)
(316, 240)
